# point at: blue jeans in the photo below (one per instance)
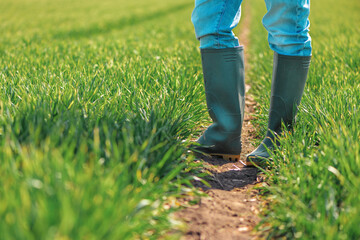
(287, 23)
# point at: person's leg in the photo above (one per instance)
(288, 26)
(287, 23)
(214, 21)
(223, 68)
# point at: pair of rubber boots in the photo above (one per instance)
(225, 96)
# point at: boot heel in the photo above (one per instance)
(227, 157)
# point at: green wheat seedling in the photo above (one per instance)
(97, 101)
(315, 176)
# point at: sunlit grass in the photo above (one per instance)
(315, 176)
(97, 101)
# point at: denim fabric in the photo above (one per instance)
(287, 23)
(214, 21)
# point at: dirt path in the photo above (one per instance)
(231, 208)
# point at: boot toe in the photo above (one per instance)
(258, 156)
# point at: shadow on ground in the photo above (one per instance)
(225, 175)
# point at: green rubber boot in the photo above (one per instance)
(289, 77)
(225, 91)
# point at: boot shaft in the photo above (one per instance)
(225, 96)
(224, 82)
(287, 87)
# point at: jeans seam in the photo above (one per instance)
(297, 19)
(299, 7)
(219, 22)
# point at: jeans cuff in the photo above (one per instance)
(218, 42)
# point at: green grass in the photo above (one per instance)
(97, 101)
(99, 98)
(315, 177)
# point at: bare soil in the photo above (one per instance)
(230, 210)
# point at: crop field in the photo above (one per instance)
(95, 110)
(100, 99)
(315, 177)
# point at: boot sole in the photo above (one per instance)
(255, 162)
(228, 157)
(249, 163)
